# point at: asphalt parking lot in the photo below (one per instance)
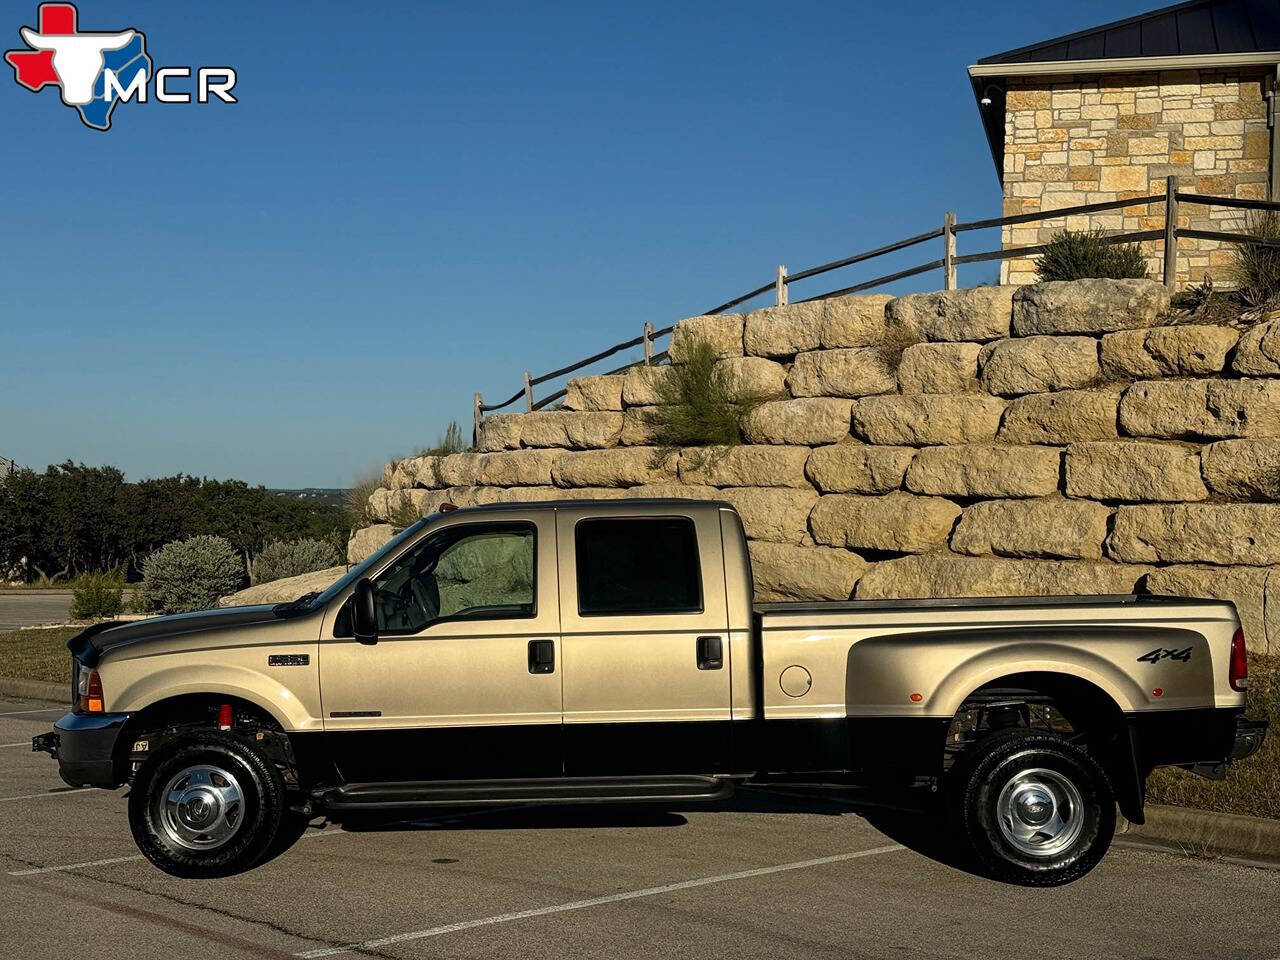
(21, 608)
(769, 874)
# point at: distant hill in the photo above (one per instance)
(328, 496)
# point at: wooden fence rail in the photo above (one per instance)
(780, 285)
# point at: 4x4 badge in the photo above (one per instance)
(1160, 653)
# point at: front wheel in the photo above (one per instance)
(206, 805)
(1036, 809)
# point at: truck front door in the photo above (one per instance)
(464, 678)
(645, 641)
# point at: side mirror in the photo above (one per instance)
(364, 615)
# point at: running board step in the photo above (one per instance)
(373, 796)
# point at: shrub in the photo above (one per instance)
(698, 403)
(1255, 267)
(290, 558)
(450, 442)
(355, 502)
(189, 575)
(1081, 255)
(95, 595)
(402, 513)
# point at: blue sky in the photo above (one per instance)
(409, 207)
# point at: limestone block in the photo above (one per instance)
(1207, 409)
(480, 496)
(927, 419)
(784, 331)
(857, 321)
(749, 378)
(677, 491)
(1259, 351)
(594, 393)
(1039, 365)
(621, 467)
(939, 368)
(519, 468)
(367, 541)
(809, 421)
(290, 588)
(859, 468)
(1046, 528)
(785, 572)
(458, 470)
(856, 372)
(1087, 306)
(500, 431)
(949, 575)
(1065, 417)
(780, 514)
(1218, 533)
(639, 385)
(413, 472)
(640, 425)
(745, 466)
(1134, 471)
(571, 429)
(985, 470)
(980, 313)
(1246, 587)
(1243, 469)
(899, 522)
(1177, 351)
(723, 332)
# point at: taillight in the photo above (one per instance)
(1239, 671)
(91, 699)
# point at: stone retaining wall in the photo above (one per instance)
(1057, 438)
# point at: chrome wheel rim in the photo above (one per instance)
(1041, 812)
(201, 808)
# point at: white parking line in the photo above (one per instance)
(18, 713)
(594, 902)
(20, 743)
(59, 793)
(66, 867)
(73, 866)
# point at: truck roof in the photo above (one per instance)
(603, 506)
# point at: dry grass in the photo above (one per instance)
(1252, 786)
(37, 654)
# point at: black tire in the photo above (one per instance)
(1006, 760)
(252, 828)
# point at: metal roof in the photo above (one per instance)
(1198, 27)
(1204, 29)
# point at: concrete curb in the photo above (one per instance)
(1202, 833)
(35, 689)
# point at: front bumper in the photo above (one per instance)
(85, 748)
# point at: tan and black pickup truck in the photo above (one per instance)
(610, 651)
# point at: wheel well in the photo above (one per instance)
(187, 710)
(1062, 704)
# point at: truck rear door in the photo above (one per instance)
(645, 641)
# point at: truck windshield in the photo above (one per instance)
(362, 568)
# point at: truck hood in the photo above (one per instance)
(89, 645)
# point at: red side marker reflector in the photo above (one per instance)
(916, 698)
(1158, 692)
(224, 717)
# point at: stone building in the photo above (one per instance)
(1108, 113)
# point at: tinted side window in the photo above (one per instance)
(638, 565)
